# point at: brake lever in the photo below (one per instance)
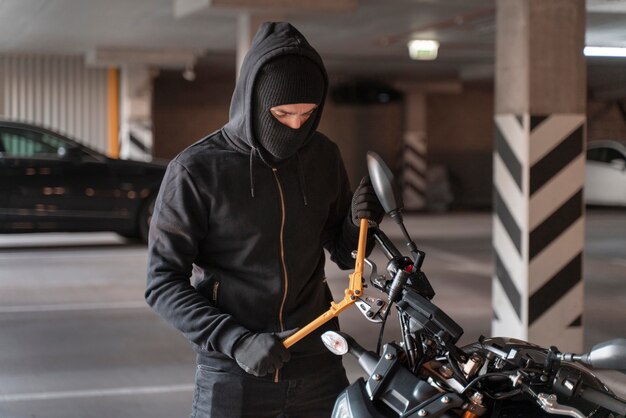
(373, 308)
(549, 404)
(379, 281)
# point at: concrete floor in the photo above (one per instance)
(78, 340)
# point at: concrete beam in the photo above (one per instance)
(449, 87)
(477, 72)
(183, 8)
(117, 57)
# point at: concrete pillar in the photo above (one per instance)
(244, 38)
(539, 171)
(3, 78)
(414, 168)
(136, 139)
(247, 25)
(423, 187)
(113, 113)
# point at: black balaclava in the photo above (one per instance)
(289, 79)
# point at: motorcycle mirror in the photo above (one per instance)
(382, 180)
(390, 199)
(607, 355)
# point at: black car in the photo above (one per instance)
(49, 182)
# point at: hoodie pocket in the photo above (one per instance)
(215, 292)
(210, 289)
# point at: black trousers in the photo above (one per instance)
(221, 394)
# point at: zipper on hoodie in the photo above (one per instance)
(282, 257)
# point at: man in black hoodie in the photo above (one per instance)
(236, 248)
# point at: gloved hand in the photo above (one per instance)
(365, 204)
(260, 354)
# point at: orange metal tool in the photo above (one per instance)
(354, 290)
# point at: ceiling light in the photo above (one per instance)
(604, 51)
(421, 49)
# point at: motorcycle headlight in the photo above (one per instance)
(342, 409)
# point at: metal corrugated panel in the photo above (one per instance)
(58, 92)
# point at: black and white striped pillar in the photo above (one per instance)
(538, 228)
(414, 178)
(538, 221)
(414, 167)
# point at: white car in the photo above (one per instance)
(605, 173)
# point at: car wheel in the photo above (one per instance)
(145, 216)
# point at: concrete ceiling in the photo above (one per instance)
(366, 40)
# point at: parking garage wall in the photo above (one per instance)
(461, 139)
(460, 129)
(58, 92)
(606, 119)
(186, 111)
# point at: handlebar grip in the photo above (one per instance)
(397, 284)
(604, 400)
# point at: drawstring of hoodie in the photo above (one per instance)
(301, 178)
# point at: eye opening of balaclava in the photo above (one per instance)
(288, 79)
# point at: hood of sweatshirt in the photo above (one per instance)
(273, 39)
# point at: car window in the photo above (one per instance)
(596, 154)
(613, 154)
(27, 143)
(604, 155)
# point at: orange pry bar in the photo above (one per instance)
(354, 290)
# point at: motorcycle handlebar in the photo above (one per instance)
(385, 243)
(604, 400)
(367, 360)
(397, 284)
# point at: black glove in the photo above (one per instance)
(260, 354)
(365, 204)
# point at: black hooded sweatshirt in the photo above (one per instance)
(236, 241)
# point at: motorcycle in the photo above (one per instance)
(427, 374)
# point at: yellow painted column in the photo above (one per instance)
(113, 112)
